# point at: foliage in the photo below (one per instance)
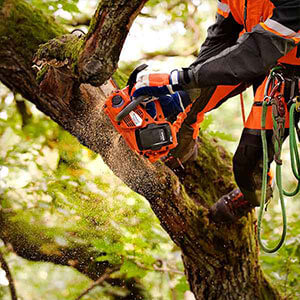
(208, 121)
(283, 267)
(52, 6)
(49, 281)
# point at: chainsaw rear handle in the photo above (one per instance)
(130, 107)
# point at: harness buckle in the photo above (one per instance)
(297, 101)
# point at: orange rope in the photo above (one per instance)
(243, 108)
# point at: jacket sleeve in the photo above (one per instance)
(221, 35)
(253, 54)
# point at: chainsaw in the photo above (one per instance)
(151, 137)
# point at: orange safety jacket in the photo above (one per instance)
(247, 39)
(251, 13)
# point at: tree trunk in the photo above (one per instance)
(221, 262)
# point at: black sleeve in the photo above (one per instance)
(221, 35)
(253, 54)
(287, 13)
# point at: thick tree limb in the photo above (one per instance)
(95, 57)
(104, 41)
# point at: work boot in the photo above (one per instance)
(186, 150)
(231, 207)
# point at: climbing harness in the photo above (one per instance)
(273, 96)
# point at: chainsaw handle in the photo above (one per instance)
(130, 107)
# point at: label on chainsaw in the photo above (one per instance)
(162, 136)
(137, 120)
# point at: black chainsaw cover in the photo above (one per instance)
(154, 136)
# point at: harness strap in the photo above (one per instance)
(243, 109)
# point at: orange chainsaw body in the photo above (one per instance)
(150, 137)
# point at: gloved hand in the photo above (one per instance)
(156, 84)
(165, 88)
(171, 104)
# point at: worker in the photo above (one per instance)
(246, 41)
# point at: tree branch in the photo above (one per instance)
(109, 26)
(9, 277)
(99, 281)
(164, 268)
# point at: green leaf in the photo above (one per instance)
(112, 258)
(109, 246)
(223, 136)
(132, 270)
(148, 259)
(208, 120)
(51, 6)
(70, 7)
(182, 285)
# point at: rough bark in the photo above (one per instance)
(99, 56)
(221, 262)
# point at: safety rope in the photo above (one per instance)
(243, 109)
(276, 82)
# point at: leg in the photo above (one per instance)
(247, 168)
(248, 164)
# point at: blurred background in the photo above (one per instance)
(51, 183)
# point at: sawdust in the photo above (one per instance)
(135, 171)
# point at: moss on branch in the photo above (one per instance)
(59, 52)
(26, 27)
